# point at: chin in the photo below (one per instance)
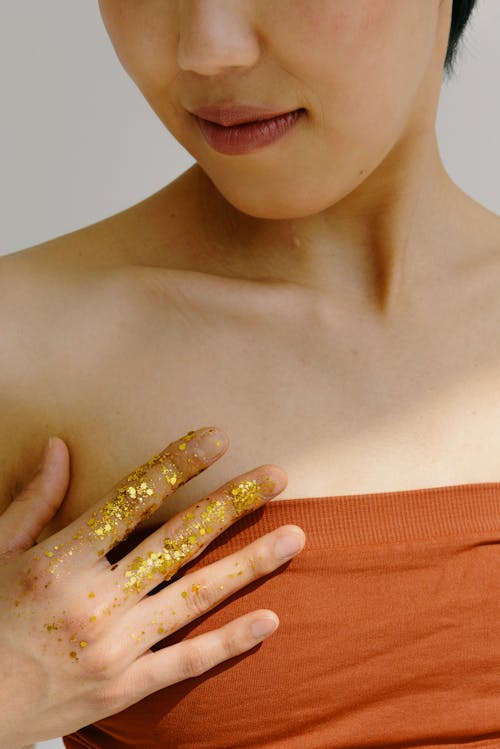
(270, 205)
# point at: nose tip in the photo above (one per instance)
(213, 64)
(210, 44)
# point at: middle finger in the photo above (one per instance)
(185, 535)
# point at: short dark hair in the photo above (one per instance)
(462, 11)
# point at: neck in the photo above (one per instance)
(375, 246)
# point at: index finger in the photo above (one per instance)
(140, 494)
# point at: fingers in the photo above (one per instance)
(187, 534)
(192, 657)
(158, 616)
(31, 510)
(140, 493)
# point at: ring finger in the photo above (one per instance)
(158, 616)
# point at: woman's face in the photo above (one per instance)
(367, 72)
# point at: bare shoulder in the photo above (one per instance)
(42, 284)
(68, 309)
(41, 289)
(60, 305)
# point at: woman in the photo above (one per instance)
(320, 289)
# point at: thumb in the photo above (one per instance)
(28, 514)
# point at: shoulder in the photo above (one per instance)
(67, 307)
(59, 310)
(41, 289)
(58, 282)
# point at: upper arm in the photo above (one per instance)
(21, 408)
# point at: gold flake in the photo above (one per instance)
(241, 498)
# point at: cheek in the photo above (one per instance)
(333, 29)
(361, 62)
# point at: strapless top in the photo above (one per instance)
(389, 634)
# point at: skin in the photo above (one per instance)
(79, 629)
(330, 301)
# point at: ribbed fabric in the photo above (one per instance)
(389, 633)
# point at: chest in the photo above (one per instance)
(340, 414)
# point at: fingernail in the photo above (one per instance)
(207, 443)
(287, 546)
(273, 482)
(45, 455)
(263, 628)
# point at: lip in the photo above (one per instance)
(241, 139)
(236, 114)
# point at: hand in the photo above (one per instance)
(76, 631)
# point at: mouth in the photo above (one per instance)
(250, 135)
(238, 115)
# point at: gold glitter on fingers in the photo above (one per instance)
(132, 502)
(248, 495)
(219, 511)
(178, 549)
(142, 492)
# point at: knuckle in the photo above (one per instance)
(37, 584)
(202, 597)
(196, 660)
(96, 667)
(100, 662)
(233, 639)
(260, 562)
(216, 647)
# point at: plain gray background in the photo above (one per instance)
(79, 143)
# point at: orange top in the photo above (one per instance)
(389, 634)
